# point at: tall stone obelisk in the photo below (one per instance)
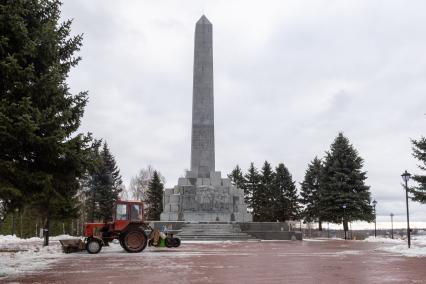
(202, 140)
(203, 195)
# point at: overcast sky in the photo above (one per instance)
(289, 75)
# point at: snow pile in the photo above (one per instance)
(9, 239)
(27, 255)
(399, 246)
(62, 237)
(383, 240)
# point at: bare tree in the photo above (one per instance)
(125, 194)
(139, 183)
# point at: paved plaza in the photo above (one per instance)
(318, 261)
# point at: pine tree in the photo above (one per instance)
(154, 200)
(311, 192)
(343, 185)
(419, 152)
(252, 184)
(264, 196)
(41, 156)
(286, 201)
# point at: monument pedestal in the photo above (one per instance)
(212, 199)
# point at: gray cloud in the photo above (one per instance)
(289, 75)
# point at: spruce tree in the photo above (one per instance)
(343, 185)
(110, 183)
(88, 190)
(104, 185)
(42, 157)
(237, 179)
(311, 192)
(286, 201)
(154, 200)
(419, 152)
(252, 189)
(264, 197)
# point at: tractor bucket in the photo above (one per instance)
(72, 245)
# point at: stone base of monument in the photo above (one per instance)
(212, 199)
(271, 230)
(206, 217)
(231, 231)
(213, 231)
(213, 209)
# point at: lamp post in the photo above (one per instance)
(406, 177)
(328, 229)
(344, 218)
(375, 217)
(391, 214)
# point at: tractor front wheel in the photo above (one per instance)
(93, 246)
(121, 240)
(135, 240)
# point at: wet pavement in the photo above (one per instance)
(329, 261)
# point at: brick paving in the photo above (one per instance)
(330, 261)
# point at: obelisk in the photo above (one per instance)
(202, 139)
(203, 195)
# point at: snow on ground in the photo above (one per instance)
(316, 240)
(19, 256)
(399, 246)
(206, 242)
(11, 240)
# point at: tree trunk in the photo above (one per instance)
(20, 225)
(345, 228)
(13, 223)
(319, 225)
(46, 231)
(92, 214)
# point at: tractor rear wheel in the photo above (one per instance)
(135, 240)
(93, 246)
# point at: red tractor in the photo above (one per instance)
(128, 227)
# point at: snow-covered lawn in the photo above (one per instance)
(25, 255)
(399, 246)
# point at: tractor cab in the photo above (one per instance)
(126, 212)
(127, 226)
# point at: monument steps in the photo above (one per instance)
(213, 231)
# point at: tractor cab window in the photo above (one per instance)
(121, 211)
(136, 212)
